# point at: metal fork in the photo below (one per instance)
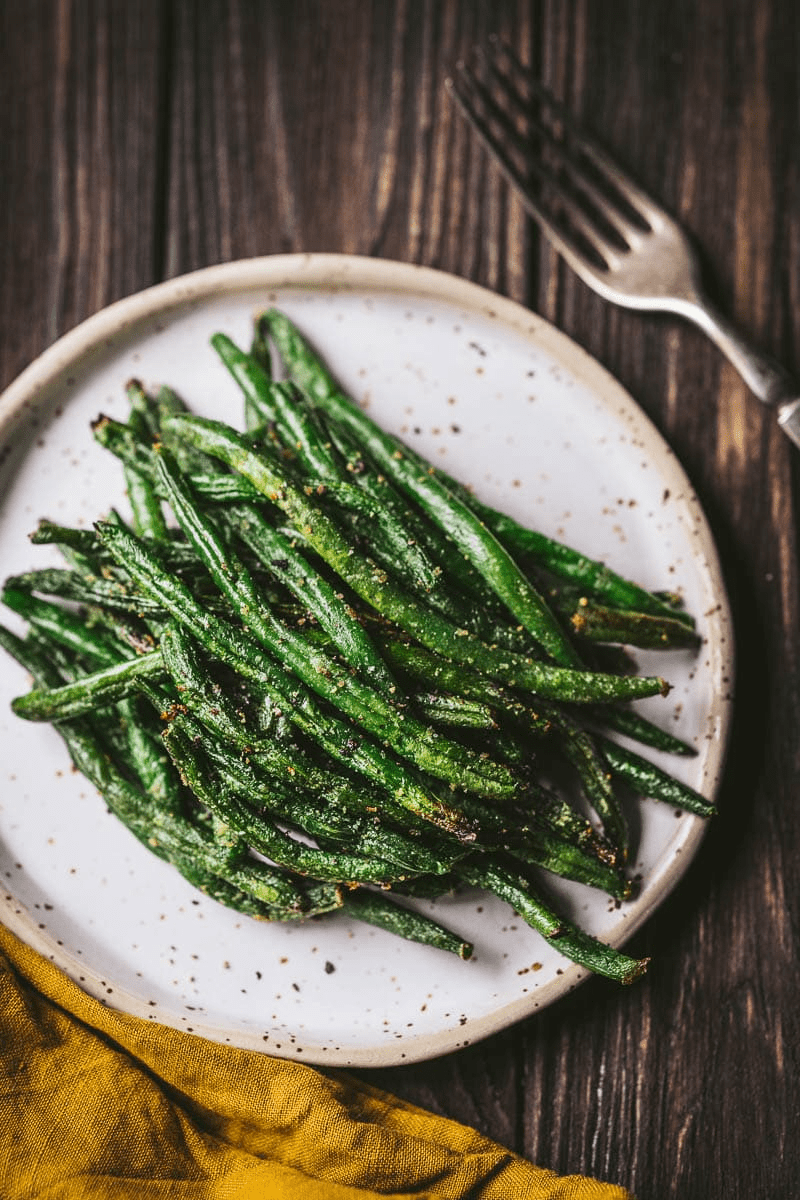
(613, 235)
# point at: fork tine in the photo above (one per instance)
(464, 87)
(640, 202)
(625, 230)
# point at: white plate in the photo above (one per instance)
(505, 403)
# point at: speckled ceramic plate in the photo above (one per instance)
(505, 403)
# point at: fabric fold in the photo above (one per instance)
(95, 1103)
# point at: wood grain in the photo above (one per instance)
(141, 140)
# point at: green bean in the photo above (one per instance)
(317, 901)
(552, 853)
(454, 710)
(649, 780)
(218, 864)
(224, 489)
(634, 725)
(545, 722)
(308, 371)
(124, 442)
(556, 930)
(121, 440)
(433, 670)
(148, 519)
(580, 748)
(299, 430)
(212, 707)
(320, 598)
(148, 758)
(130, 631)
(344, 742)
(402, 541)
(259, 350)
(419, 664)
(202, 694)
(28, 657)
(50, 533)
(177, 551)
(214, 710)
(415, 545)
(339, 643)
(578, 743)
(169, 836)
(586, 573)
(70, 585)
(480, 546)
(136, 453)
(384, 912)
(252, 374)
(69, 629)
(302, 363)
(261, 833)
(97, 690)
(373, 586)
(553, 813)
(78, 547)
(332, 816)
(364, 502)
(210, 704)
(142, 409)
(372, 522)
(283, 409)
(148, 515)
(408, 737)
(168, 403)
(543, 807)
(421, 554)
(176, 840)
(598, 623)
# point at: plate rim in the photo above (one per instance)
(349, 273)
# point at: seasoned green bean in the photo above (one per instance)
(90, 692)
(343, 741)
(340, 679)
(560, 933)
(372, 585)
(309, 372)
(383, 911)
(471, 536)
(393, 726)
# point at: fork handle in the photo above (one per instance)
(765, 377)
(789, 419)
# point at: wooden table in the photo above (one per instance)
(142, 139)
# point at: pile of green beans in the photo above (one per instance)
(316, 675)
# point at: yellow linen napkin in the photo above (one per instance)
(94, 1103)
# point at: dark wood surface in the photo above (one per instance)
(141, 139)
